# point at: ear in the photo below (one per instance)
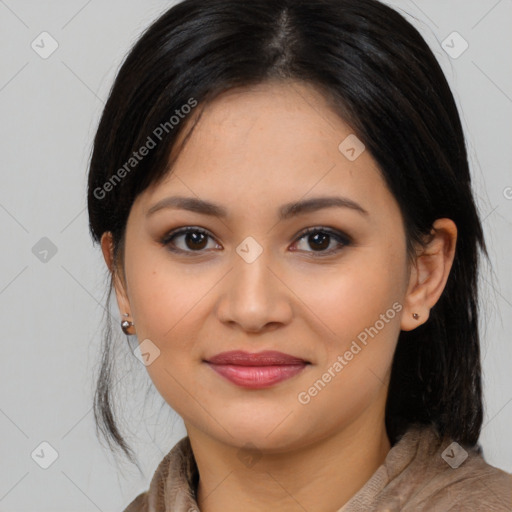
(429, 274)
(107, 247)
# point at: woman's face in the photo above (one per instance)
(251, 280)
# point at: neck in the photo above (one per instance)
(321, 476)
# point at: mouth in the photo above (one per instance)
(256, 370)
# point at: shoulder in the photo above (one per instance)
(475, 485)
(446, 476)
(139, 504)
(172, 482)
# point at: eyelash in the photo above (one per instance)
(338, 236)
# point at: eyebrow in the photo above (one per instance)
(286, 211)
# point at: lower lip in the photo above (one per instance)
(257, 377)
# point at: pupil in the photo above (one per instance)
(324, 242)
(196, 240)
(193, 240)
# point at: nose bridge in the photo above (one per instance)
(252, 269)
(254, 296)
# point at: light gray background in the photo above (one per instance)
(51, 311)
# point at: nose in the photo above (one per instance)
(254, 296)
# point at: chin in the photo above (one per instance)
(272, 430)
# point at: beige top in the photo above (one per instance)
(420, 473)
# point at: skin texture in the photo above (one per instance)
(254, 150)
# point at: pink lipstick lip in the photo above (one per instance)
(265, 358)
(256, 370)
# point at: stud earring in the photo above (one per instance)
(415, 316)
(127, 326)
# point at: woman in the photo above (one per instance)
(282, 196)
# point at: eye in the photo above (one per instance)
(193, 240)
(321, 239)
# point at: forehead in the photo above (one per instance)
(274, 139)
(276, 114)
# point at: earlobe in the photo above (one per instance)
(429, 274)
(415, 313)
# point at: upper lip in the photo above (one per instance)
(265, 358)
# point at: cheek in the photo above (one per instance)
(167, 303)
(352, 296)
(357, 306)
(162, 294)
(362, 314)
